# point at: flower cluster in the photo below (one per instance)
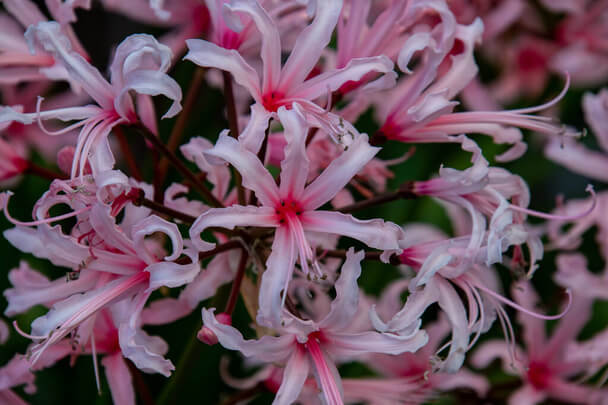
(271, 227)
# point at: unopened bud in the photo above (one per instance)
(207, 336)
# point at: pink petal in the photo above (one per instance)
(104, 225)
(533, 328)
(375, 233)
(218, 272)
(229, 218)
(331, 81)
(63, 10)
(310, 44)
(255, 176)
(451, 304)
(279, 269)
(145, 351)
(576, 157)
(267, 348)
(25, 11)
(170, 274)
(119, 379)
(254, 133)
(409, 316)
(49, 36)
(497, 349)
(153, 224)
(338, 173)
(360, 344)
(217, 175)
(165, 310)
(463, 68)
(294, 377)
(206, 54)
(595, 107)
(464, 379)
(527, 395)
(271, 42)
(151, 83)
(138, 52)
(48, 243)
(346, 304)
(32, 288)
(294, 166)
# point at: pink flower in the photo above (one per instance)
(284, 85)
(306, 343)
(111, 269)
(292, 206)
(17, 64)
(578, 158)
(543, 367)
(139, 65)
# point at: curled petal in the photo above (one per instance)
(153, 224)
(152, 83)
(171, 274)
(145, 351)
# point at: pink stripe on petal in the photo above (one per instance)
(294, 377)
(332, 393)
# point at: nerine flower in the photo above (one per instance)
(543, 366)
(139, 65)
(308, 343)
(17, 64)
(292, 207)
(280, 86)
(112, 267)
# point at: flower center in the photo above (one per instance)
(273, 100)
(288, 209)
(539, 375)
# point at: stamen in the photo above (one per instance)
(41, 221)
(548, 104)
(539, 214)
(26, 335)
(58, 132)
(95, 365)
(525, 310)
